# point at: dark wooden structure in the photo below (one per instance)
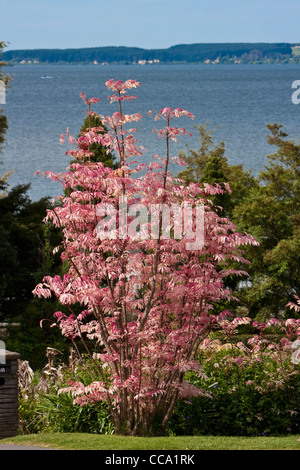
(9, 418)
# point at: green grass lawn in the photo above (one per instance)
(111, 442)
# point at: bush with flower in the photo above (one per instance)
(254, 383)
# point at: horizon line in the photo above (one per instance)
(7, 49)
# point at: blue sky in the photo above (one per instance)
(33, 24)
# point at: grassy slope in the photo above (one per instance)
(112, 442)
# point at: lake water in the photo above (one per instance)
(238, 101)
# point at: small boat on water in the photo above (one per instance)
(46, 76)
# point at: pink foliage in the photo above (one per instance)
(146, 302)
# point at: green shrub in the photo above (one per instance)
(43, 408)
(254, 389)
(251, 395)
(63, 416)
(31, 421)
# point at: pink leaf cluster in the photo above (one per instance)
(147, 303)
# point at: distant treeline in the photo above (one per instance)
(214, 52)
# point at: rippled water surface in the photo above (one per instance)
(239, 101)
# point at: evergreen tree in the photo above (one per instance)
(271, 213)
(209, 165)
(21, 249)
(24, 260)
(100, 153)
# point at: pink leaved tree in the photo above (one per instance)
(147, 257)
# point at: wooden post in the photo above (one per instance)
(9, 417)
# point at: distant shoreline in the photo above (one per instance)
(53, 64)
(203, 53)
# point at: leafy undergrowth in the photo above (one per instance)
(70, 441)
